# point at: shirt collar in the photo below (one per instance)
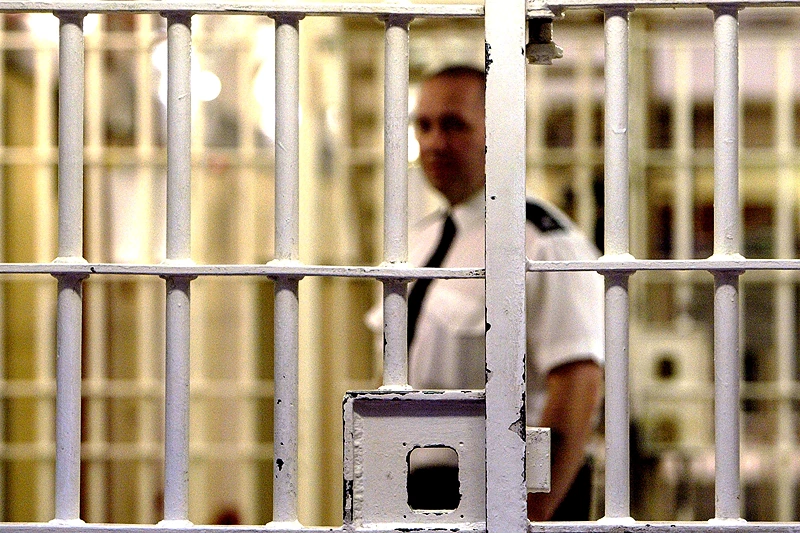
(470, 213)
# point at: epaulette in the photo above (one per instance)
(539, 216)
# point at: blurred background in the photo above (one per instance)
(671, 89)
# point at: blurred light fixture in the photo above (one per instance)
(44, 26)
(206, 86)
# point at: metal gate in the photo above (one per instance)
(506, 264)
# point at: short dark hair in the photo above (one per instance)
(460, 71)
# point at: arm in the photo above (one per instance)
(573, 393)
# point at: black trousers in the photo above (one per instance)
(438, 488)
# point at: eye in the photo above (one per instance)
(422, 125)
(453, 124)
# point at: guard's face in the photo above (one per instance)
(450, 128)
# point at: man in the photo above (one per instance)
(564, 310)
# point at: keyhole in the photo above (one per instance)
(433, 483)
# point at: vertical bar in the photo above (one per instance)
(287, 235)
(395, 212)
(68, 399)
(785, 299)
(176, 434)
(70, 249)
(178, 329)
(726, 243)
(179, 135)
(617, 235)
(617, 172)
(70, 136)
(505, 267)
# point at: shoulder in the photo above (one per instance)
(545, 217)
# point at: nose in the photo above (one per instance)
(433, 138)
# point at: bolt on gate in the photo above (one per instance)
(494, 467)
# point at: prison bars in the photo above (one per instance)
(725, 264)
(70, 249)
(506, 502)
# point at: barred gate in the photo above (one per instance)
(506, 265)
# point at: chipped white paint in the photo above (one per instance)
(506, 507)
(537, 459)
(395, 203)
(382, 429)
(617, 237)
(287, 242)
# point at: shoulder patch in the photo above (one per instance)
(540, 217)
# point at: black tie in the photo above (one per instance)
(419, 289)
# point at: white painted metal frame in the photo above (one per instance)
(505, 264)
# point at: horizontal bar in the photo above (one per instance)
(246, 8)
(277, 270)
(559, 5)
(534, 8)
(549, 527)
(711, 526)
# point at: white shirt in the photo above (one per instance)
(564, 309)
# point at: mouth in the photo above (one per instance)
(438, 164)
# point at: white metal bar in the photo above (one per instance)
(395, 211)
(551, 527)
(68, 400)
(236, 7)
(178, 316)
(274, 269)
(287, 179)
(617, 234)
(505, 27)
(70, 249)
(726, 243)
(70, 136)
(179, 135)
